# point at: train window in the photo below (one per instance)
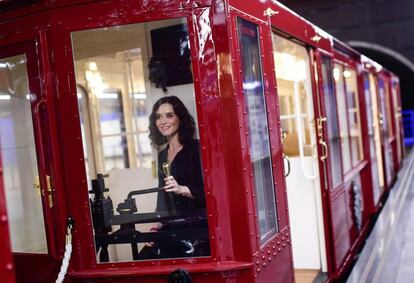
(388, 110)
(338, 73)
(332, 121)
(258, 129)
(371, 135)
(376, 113)
(139, 129)
(18, 155)
(397, 115)
(353, 115)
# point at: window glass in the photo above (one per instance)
(377, 124)
(371, 136)
(338, 73)
(139, 129)
(258, 129)
(353, 115)
(18, 153)
(295, 97)
(385, 122)
(333, 127)
(389, 131)
(397, 115)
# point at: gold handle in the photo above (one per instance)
(324, 150)
(39, 191)
(166, 167)
(319, 122)
(50, 190)
(36, 185)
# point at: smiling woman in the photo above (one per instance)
(172, 128)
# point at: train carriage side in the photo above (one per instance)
(375, 131)
(347, 72)
(388, 131)
(393, 121)
(279, 122)
(99, 75)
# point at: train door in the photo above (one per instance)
(294, 84)
(386, 128)
(331, 164)
(25, 155)
(373, 136)
(262, 131)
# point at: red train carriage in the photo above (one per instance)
(299, 137)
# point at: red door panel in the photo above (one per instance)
(27, 174)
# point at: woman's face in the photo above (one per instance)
(166, 120)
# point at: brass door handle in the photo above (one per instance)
(324, 150)
(319, 122)
(36, 185)
(50, 191)
(39, 191)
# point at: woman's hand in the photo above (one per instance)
(171, 186)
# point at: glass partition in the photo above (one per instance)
(371, 135)
(388, 111)
(258, 129)
(397, 115)
(332, 122)
(139, 128)
(18, 153)
(353, 115)
(341, 96)
(377, 124)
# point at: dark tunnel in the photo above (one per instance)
(401, 68)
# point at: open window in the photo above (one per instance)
(120, 73)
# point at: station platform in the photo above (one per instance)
(388, 254)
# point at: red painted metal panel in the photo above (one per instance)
(340, 226)
(31, 264)
(7, 268)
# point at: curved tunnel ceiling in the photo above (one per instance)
(394, 62)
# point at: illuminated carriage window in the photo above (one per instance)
(353, 115)
(341, 95)
(388, 111)
(18, 153)
(368, 88)
(260, 157)
(397, 114)
(332, 122)
(294, 90)
(121, 72)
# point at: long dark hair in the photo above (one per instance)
(186, 129)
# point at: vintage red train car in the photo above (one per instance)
(299, 138)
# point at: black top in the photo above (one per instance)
(186, 169)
